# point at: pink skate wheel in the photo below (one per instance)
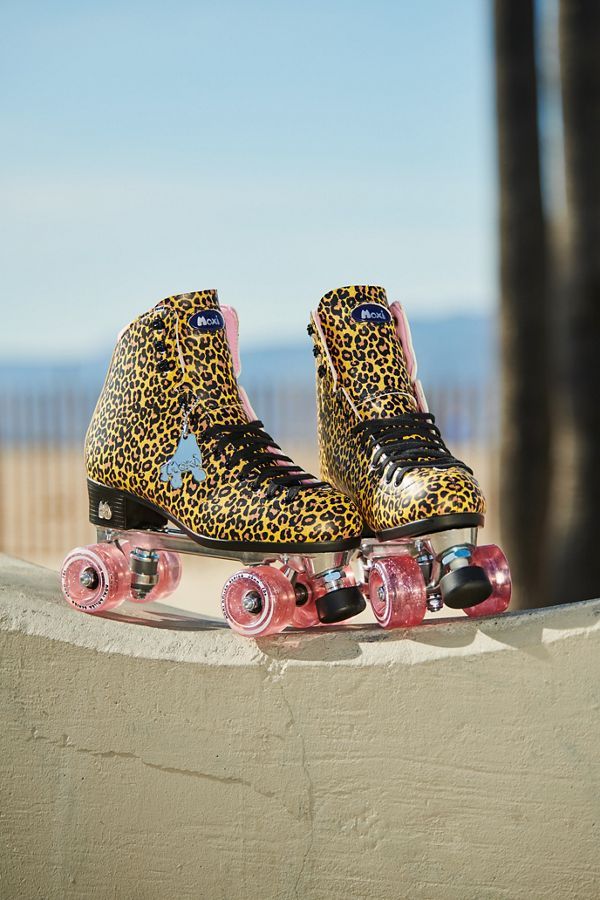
(169, 576)
(493, 561)
(95, 578)
(397, 592)
(305, 614)
(258, 601)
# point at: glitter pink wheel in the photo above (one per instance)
(258, 601)
(305, 612)
(493, 561)
(96, 578)
(397, 592)
(169, 576)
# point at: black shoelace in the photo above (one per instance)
(408, 441)
(262, 458)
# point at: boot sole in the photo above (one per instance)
(129, 512)
(428, 526)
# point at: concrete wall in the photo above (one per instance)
(167, 758)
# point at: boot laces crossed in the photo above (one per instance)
(408, 441)
(263, 459)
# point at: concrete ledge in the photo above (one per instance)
(155, 754)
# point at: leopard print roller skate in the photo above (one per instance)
(380, 445)
(177, 462)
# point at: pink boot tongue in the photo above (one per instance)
(361, 335)
(201, 354)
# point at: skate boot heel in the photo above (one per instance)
(111, 508)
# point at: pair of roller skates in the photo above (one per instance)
(177, 462)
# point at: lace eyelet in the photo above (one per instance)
(160, 346)
(157, 324)
(165, 365)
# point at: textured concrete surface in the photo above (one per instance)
(157, 755)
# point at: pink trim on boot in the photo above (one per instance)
(405, 338)
(232, 329)
(404, 335)
(252, 417)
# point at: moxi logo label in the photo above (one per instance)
(207, 320)
(372, 313)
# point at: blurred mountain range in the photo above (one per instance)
(457, 350)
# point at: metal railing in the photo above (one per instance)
(43, 498)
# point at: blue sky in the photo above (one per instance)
(273, 150)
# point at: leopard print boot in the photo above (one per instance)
(178, 462)
(380, 445)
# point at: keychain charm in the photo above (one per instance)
(187, 456)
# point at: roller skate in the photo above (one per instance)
(177, 462)
(379, 444)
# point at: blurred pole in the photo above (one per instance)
(525, 326)
(577, 575)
